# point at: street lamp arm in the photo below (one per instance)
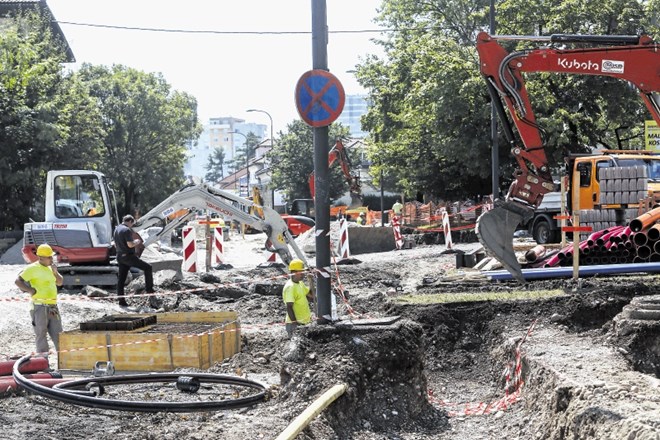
(272, 139)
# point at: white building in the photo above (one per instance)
(219, 132)
(354, 107)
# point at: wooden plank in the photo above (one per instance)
(197, 316)
(141, 352)
(186, 351)
(83, 359)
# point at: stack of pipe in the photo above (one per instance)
(637, 243)
(36, 369)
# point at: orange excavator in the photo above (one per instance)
(337, 153)
(635, 59)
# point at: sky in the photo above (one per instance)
(227, 73)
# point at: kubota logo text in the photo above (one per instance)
(575, 64)
(606, 66)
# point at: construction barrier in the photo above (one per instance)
(446, 228)
(189, 249)
(271, 257)
(396, 227)
(218, 255)
(343, 248)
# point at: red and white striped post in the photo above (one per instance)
(218, 255)
(446, 228)
(396, 227)
(343, 247)
(189, 249)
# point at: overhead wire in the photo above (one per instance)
(219, 32)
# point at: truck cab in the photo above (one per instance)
(613, 186)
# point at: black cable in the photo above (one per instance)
(72, 391)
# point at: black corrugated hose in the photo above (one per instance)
(78, 392)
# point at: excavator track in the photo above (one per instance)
(495, 230)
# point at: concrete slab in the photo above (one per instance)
(364, 240)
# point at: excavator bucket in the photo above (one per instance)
(495, 230)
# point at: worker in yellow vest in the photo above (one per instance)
(41, 279)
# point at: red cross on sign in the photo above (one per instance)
(319, 98)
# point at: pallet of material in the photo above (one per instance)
(176, 340)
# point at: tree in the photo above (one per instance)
(215, 165)
(293, 161)
(47, 120)
(146, 126)
(430, 113)
(249, 147)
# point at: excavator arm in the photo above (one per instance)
(202, 196)
(338, 152)
(631, 58)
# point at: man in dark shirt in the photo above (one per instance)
(125, 243)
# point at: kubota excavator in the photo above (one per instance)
(635, 59)
(80, 214)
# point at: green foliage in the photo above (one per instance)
(293, 161)
(146, 126)
(249, 147)
(430, 113)
(46, 120)
(215, 165)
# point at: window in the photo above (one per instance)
(584, 169)
(78, 196)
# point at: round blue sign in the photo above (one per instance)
(319, 98)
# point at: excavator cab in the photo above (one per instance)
(77, 221)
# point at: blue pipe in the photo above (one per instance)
(542, 273)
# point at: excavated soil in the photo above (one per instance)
(589, 357)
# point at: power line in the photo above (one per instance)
(193, 31)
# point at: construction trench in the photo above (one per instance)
(424, 367)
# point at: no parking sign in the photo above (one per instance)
(319, 98)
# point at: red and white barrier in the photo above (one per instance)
(189, 249)
(343, 248)
(218, 254)
(446, 227)
(396, 227)
(271, 257)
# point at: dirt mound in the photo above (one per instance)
(383, 367)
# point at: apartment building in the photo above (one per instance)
(227, 133)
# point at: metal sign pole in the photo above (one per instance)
(321, 149)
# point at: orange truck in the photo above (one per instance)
(613, 186)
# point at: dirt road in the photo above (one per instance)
(587, 371)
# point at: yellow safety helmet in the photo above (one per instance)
(44, 250)
(296, 265)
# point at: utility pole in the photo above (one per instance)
(495, 153)
(321, 174)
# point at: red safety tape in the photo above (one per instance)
(480, 408)
(69, 297)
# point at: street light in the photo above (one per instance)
(272, 139)
(272, 145)
(247, 161)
